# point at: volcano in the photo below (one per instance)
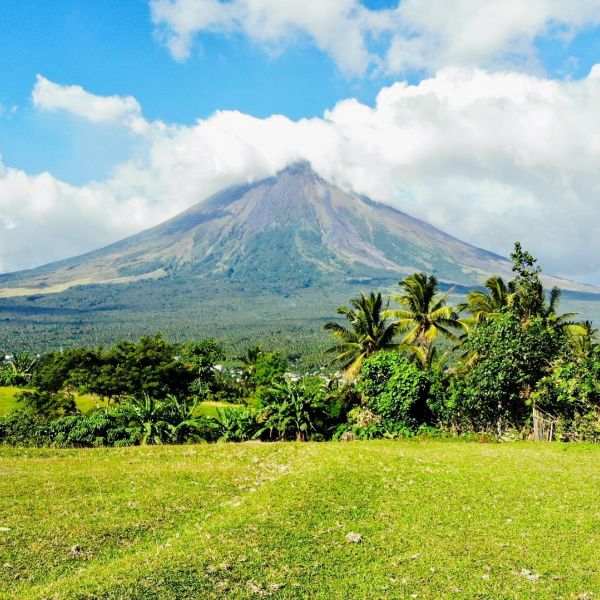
(294, 229)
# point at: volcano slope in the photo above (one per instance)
(268, 261)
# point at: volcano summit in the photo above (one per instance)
(294, 229)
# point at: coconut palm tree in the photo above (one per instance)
(563, 322)
(488, 305)
(424, 315)
(368, 332)
(585, 341)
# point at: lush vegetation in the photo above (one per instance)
(429, 518)
(504, 363)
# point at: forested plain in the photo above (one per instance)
(505, 363)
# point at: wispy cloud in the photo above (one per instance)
(423, 35)
(123, 110)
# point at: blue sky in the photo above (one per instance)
(109, 47)
(183, 60)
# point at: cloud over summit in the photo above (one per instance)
(490, 157)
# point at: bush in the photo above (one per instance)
(396, 390)
(48, 405)
(24, 428)
(571, 392)
(84, 431)
(510, 357)
(237, 425)
(8, 376)
(293, 411)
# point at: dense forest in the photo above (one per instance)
(504, 364)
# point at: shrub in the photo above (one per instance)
(509, 358)
(571, 392)
(395, 389)
(48, 405)
(237, 425)
(95, 429)
(24, 428)
(293, 410)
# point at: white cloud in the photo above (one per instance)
(488, 157)
(337, 27)
(123, 110)
(417, 34)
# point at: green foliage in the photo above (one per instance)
(293, 410)
(508, 358)
(18, 369)
(424, 315)
(155, 421)
(8, 376)
(24, 428)
(488, 305)
(395, 389)
(571, 393)
(201, 359)
(79, 368)
(269, 368)
(48, 405)
(237, 425)
(99, 428)
(363, 424)
(368, 332)
(150, 366)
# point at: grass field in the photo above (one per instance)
(435, 520)
(8, 402)
(88, 402)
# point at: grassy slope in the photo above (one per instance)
(8, 402)
(88, 402)
(437, 519)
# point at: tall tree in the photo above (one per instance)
(488, 305)
(368, 331)
(424, 315)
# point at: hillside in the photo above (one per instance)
(267, 262)
(436, 519)
(294, 228)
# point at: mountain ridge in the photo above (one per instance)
(293, 227)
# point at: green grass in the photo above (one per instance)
(9, 402)
(437, 520)
(88, 402)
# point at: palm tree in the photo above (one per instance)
(562, 322)
(425, 315)
(369, 331)
(489, 305)
(585, 340)
(23, 365)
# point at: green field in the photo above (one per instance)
(9, 402)
(88, 402)
(435, 519)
